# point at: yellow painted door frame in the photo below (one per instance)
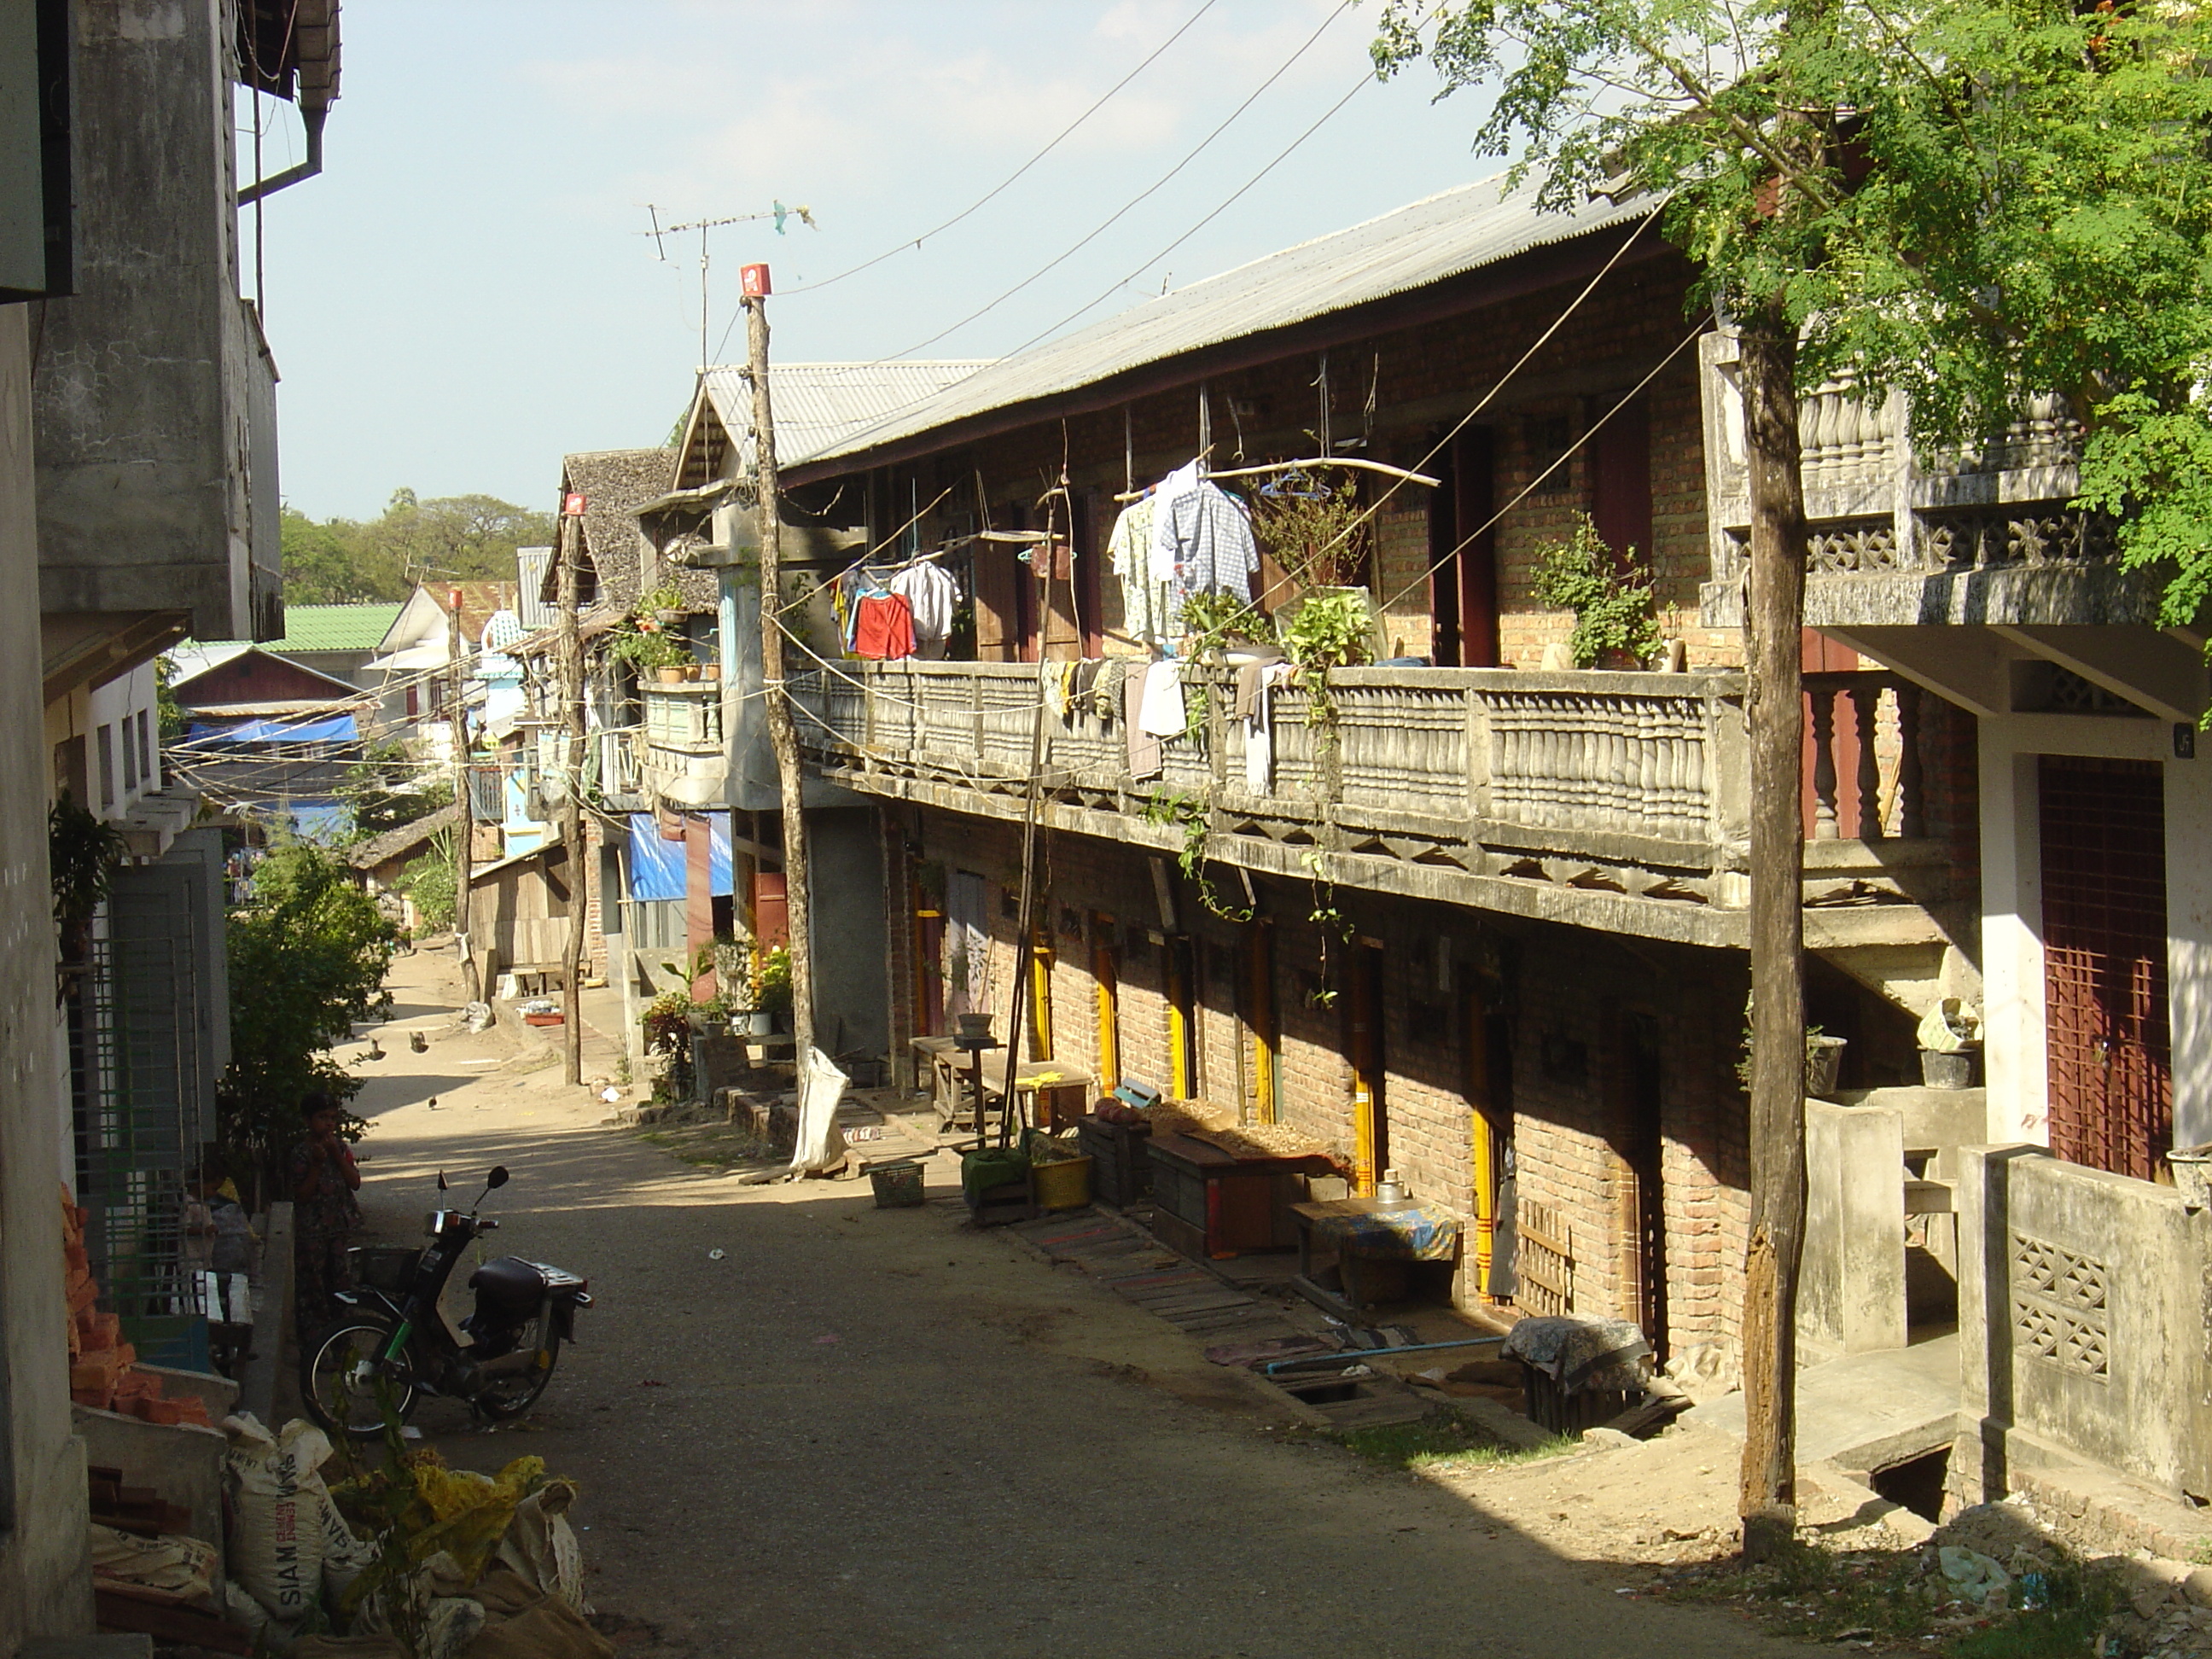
(1260, 999)
(1485, 1144)
(1182, 1049)
(1041, 961)
(1106, 977)
(1364, 1023)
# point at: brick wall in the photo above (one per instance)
(1566, 997)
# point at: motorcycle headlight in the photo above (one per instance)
(434, 1223)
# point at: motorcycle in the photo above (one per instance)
(391, 1345)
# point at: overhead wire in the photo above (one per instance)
(1121, 212)
(1003, 185)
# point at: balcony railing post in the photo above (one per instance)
(1866, 705)
(1478, 755)
(1911, 819)
(1823, 701)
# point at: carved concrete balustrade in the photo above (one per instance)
(1609, 800)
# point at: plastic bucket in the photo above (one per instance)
(898, 1186)
(1824, 1058)
(1952, 1070)
(1062, 1184)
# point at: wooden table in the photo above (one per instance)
(1371, 1229)
(1058, 1094)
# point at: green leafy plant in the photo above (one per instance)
(1193, 814)
(1612, 613)
(308, 953)
(432, 883)
(1211, 621)
(1331, 630)
(82, 853)
(1321, 539)
(772, 980)
(645, 645)
(666, 596)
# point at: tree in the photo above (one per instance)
(308, 953)
(346, 561)
(1962, 201)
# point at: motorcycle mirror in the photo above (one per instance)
(497, 1178)
(441, 1182)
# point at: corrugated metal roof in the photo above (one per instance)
(821, 406)
(530, 565)
(321, 627)
(1443, 235)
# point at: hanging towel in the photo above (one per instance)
(1106, 690)
(1143, 749)
(1162, 714)
(1260, 725)
(1177, 485)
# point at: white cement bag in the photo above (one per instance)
(821, 1086)
(345, 1557)
(277, 1502)
(541, 1545)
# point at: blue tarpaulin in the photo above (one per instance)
(327, 728)
(656, 866)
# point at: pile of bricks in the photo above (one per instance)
(103, 1368)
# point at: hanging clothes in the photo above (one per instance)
(1169, 490)
(1214, 551)
(1162, 713)
(1144, 755)
(1145, 602)
(883, 626)
(1260, 725)
(932, 595)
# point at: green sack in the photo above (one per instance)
(994, 1166)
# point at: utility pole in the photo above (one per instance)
(572, 804)
(465, 851)
(1774, 617)
(782, 738)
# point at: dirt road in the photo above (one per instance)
(875, 1433)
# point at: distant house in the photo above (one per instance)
(265, 736)
(337, 640)
(412, 662)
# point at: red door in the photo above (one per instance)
(2103, 956)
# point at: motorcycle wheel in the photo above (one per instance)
(340, 1386)
(507, 1397)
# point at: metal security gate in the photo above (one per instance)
(2104, 955)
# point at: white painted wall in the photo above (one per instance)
(2012, 913)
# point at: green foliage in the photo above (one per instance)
(772, 980)
(82, 853)
(1331, 630)
(308, 952)
(1449, 1441)
(346, 560)
(387, 789)
(644, 644)
(1193, 814)
(1612, 613)
(433, 883)
(1963, 201)
(1212, 620)
(1321, 539)
(171, 722)
(667, 1024)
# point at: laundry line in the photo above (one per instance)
(1362, 464)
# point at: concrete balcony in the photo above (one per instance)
(686, 760)
(1970, 536)
(1609, 800)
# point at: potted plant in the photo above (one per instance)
(82, 852)
(1613, 613)
(772, 983)
(648, 647)
(1950, 1038)
(664, 605)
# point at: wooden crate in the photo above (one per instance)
(1121, 1170)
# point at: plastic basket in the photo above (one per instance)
(898, 1186)
(383, 1267)
(1062, 1184)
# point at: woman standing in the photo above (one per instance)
(325, 1214)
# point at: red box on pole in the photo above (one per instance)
(755, 281)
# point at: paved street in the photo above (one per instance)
(872, 1432)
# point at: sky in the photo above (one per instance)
(468, 291)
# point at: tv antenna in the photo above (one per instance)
(776, 212)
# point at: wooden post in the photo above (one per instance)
(465, 852)
(571, 807)
(1774, 611)
(798, 905)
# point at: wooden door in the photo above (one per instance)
(1638, 1172)
(1620, 486)
(2104, 963)
(1463, 550)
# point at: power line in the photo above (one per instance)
(1121, 212)
(1001, 187)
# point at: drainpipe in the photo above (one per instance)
(312, 116)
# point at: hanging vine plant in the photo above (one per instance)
(83, 852)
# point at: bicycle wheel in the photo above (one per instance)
(342, 1388)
